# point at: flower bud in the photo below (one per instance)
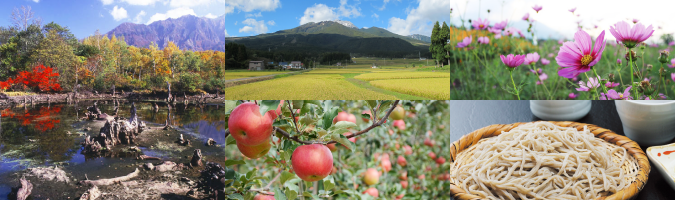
(642, 46)
(603, 81)
(527, 74)
(488, 11)
(618, 61)
(663, 57)
(469, 20)
(662, 72)
(649, 67)
(611, 77)
(631, 55)
(646, 88)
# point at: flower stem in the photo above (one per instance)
(630, 64)
(604, 88)
(591, 86)
(514, 84)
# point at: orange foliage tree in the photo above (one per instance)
(42, 79)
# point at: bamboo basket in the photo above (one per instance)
(637, 162)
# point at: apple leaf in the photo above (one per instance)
(267, 105)
(328, 183)
(315, 102)
(229, 106)
(291, 194)
(306, 120)
(292, 184)
(278, 195)
(343, 125)
(372, 103)
(235, 196)
(384, 107)
(234, 162)
(230, 140)
(285, 176)
(365, 115)
(343, 140)
(328, 117)
(251, 173)
(322, 133)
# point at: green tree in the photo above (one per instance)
(667, 38)
(435, 47)
(444, 38)
(55, 52)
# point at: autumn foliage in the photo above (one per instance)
(42, 79)
(42, 119)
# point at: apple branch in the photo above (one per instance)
(293, 116)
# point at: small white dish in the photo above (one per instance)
(560, 110)
(647, 122)
(665, 163)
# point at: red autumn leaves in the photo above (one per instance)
(42, 79)
(42, 119)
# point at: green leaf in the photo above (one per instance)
(328, 184)
(306, 120)
(384, 107)
(230, 140)
(230, 105)
(343, 140)
(235, 196)
(328, 117)
(278, 195)
(372, 103)
(297, 104)
(234, 162)
(365, 115)
(267, 105)
(291, 194)
(291, 184)
(322, 133)
(251, 173)
(285, 176)
(343, 125)
(315, 102)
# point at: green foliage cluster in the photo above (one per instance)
(440, 47)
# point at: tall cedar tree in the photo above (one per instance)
(435, 48)
(444, 38)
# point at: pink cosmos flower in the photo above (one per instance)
(578, 57)
(521, 34)
(618, 61)
(536, 8)
(494, 30)
(630, 36)
(596, 26)
(672, 63)
(671, 43)
(550, 55)
(573, 9)
(662, 96)
(672, 76)
(542, 78)
(592, 83)
(511, 31)
(483, 40)
(500, 25)
(539, 71)
(635, 21)
(531, 58)
(612, 94)
(654, 45)
(526, 17)
(545, 62)
(561, 41)
(572, 95)
(513, 61)
(602, 96)
(611, 85)
(498, 36)
(481, 24)
(465, 42)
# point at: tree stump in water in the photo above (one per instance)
(91, 194)
(196, 158)
(23, 191)
(93, 112)
(210, 142)
(91, 146)
(118, 131)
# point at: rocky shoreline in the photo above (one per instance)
(73, 97)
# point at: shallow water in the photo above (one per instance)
(37, 135)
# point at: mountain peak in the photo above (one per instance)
(346, 23)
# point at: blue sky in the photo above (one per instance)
(84, 17)
(403, 17)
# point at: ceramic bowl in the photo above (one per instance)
(560, 110)
(647, 122)
(664, 163)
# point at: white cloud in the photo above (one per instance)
(175, 13)
(107, 2)
(321, 12)
(251, 5)
(235, 23)
(36, 1)
(254, 15)
(141, 2)
(271, 23)
(255, 26)
(420, 20)
(118, 13)
(211, 16)
(385, 4)
(317, 13)
(226, 33)
(139, 17)
(191, 3)
(375, 16)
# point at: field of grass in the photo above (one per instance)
(402, 75)
(304, 86)
(229, 75)
(432, 88)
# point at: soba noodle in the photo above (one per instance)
(543, 161)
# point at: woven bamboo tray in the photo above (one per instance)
(639, 161)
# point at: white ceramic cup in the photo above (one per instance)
(648, 122)
(560, 110)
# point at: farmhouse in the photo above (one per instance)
(296, 64)
(256, 65)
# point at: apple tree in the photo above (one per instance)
(322, 150)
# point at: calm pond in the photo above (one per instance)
(43, 135)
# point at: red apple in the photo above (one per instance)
(248, 127)
(334, 170)
(372, 192)
(398, 146)
(408, 150)
(386, 165)
(352, 139)
(391, 132)
(401, 161)
(429, 142)
(385, 156)
(366, 119)
(398, 113)
(400, 196)
(256, 151)
(403, 176)
(421, 176)
(312, 162)
(404, 184)
(371, 176)
(273, 114)
(440, 160)
(432, 155)
(400, 124)
(332, 147)
(264, 197)
(429, 133)
(344, 116)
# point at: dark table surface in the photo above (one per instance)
(468, 116)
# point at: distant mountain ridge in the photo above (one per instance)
(421, 37)
(189, 32)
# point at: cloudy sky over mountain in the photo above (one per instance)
(83, 17)
(404, 17)
(556, 21)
